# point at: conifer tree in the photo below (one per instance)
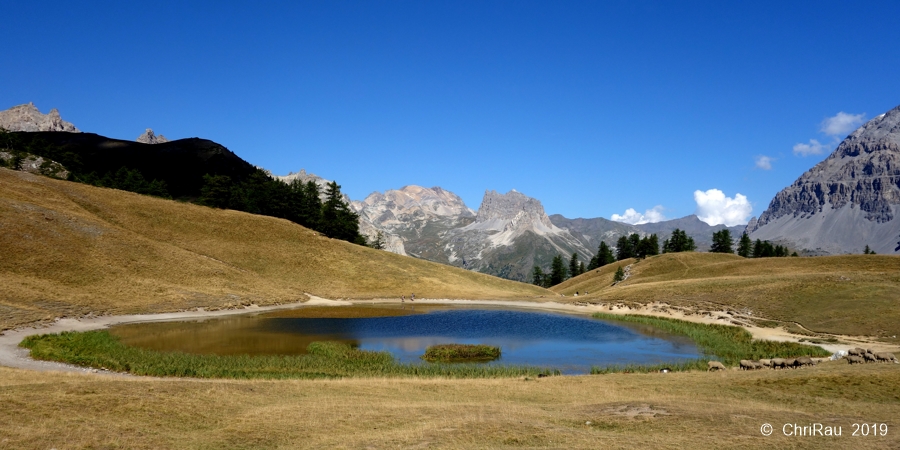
(378, 243)
(648, 246)
(310, 214)
(557, 271)
(624, 250)
(537, 276)
(679, 242)
(581, 268)
(338, 221)
(745, 246)
(619, 276)
(573, 265)
(603, 257)
(721, 242)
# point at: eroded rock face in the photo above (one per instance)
(151, 138)
(412, 219)
(510, 235)
(861, 178)
(28, 118)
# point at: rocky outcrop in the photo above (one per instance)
(303, 177)
(510, 235)
(849, 200)
(413, 219)
(150, 138)
(28, 118)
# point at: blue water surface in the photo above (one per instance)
(571, 344)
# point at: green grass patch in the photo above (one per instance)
(461, 353)
(99, 349)
(683, 366)
(728, 343)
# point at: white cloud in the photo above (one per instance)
(764, 162)
(813, 148)
(837, 126)
(633, 217)
(842, 124)
(713, 207)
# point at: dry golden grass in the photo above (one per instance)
(676, 410)
(69, 249)
(852, 294)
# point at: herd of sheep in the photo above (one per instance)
(853, 356)
(860, 355)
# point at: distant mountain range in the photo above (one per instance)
(846, 202)
(508, 235)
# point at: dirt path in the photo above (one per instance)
(11, 355)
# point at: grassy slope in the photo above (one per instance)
(682, 410)
(70, 249)
(853, 294)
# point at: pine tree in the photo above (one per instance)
(647, 246)
(679, 242)
(745, 246)
(338, 221)
(537, 276)
(216, 190)
(378, 243)
(619, 276)
(581, 268)
(867, 250)
(573, 265)
(603, 257)
(624, 250)
(721, 242)
(310, 213)
(557, 271)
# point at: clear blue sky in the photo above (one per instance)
(591, 107)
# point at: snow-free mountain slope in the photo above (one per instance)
(848, 201)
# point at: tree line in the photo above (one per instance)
(298, 202)
(635, 246)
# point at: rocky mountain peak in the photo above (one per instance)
(28, 118)
(433, 201)
(511, 206)
(151, 138)
(850, 199)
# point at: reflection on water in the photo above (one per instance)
(570, 343)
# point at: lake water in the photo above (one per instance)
(569, 343)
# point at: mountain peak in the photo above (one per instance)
(513, 204)
(27, 117)
(151, 138)
(849, 200)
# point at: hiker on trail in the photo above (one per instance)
(412, 297)
(402, 298)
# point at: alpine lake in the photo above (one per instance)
(572, 344)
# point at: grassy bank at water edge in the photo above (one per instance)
(99, 349)
(728, 343)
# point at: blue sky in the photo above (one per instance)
(591, 107)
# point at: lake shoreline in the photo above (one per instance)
(11, 355)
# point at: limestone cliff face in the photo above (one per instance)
(510, 235)
(849, 200)
(28, 118)
(412, 219)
